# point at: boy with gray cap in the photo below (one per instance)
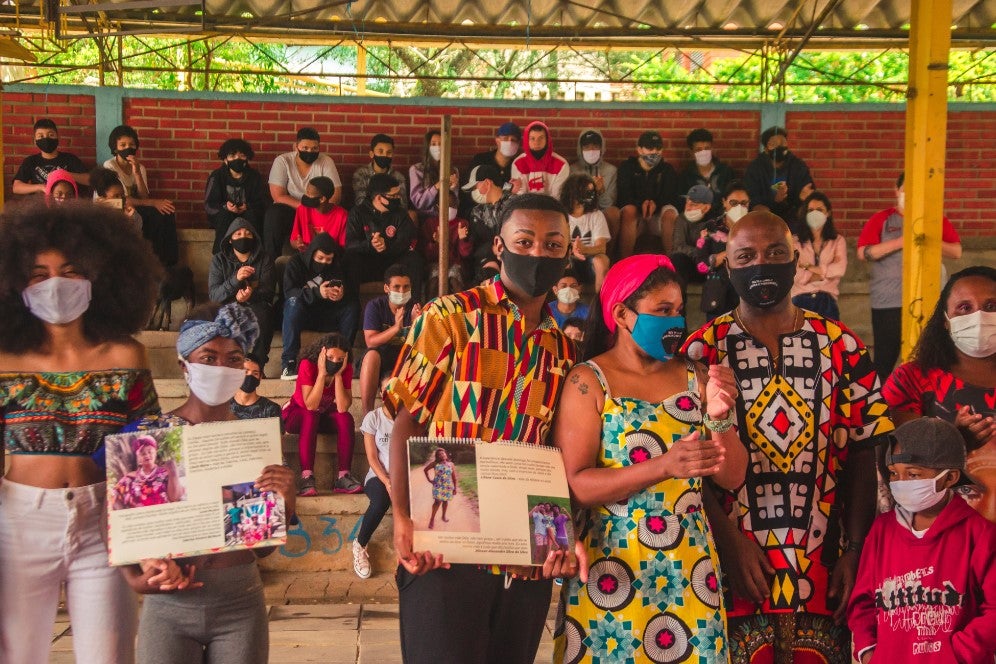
(688, 229)
(926, 582)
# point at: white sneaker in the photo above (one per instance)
(361, 560)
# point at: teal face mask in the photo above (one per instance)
(659, 337)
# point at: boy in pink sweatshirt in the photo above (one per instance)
(926, 585)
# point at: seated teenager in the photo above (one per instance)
(242, 272)
(379, 234)
(568, 304)
(235, 189)
(159, 222)
(381, 158)
(317, 296)
(289, 177)
(247, 404)
(386, 320)
(32, 174)
(488, 191)
(61, 187)
(318, 214)
(589, 230)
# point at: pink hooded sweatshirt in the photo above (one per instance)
(60, 175)
(545, 175)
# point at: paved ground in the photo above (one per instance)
(318, 617)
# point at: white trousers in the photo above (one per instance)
(51, 537)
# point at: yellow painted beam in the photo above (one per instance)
(361, 70)
(926, 138)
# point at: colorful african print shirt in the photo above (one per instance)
(138, 490)
(69, 413)
(469, 369)
(799, 424)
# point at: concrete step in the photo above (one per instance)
(323, 541)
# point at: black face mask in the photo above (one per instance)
(332, 368)
(588, 199)
(244, 245)
(537, 154)
(124, 153)
(382, 162)
(779, 153)
(47, 144)
(321, 269)
(765, 285)
(250, 384)
(238, 165)
(393, 205)
(311, 201)
(535, 275)
(308, 157)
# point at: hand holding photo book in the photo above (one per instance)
(189, 490)
(488, 503)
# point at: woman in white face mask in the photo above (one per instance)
(212, 346)
(75, 282)
(822, 258)
(927, 569)
(424, 179)
(952, 374)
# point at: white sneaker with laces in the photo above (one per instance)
(361, 560)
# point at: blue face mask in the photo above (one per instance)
(659, 337)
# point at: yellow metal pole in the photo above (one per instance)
(361, 71)
(926, 136)
(445, 130)
(2, 155)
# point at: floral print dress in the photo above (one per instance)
(653, 590)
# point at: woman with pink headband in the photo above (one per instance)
(630, 426)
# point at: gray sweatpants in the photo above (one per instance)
(222, 623)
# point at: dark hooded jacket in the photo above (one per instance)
(222, 284)
(396, 228)
(302, 276)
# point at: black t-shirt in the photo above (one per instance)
(35, 169)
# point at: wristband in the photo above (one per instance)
(719, 426)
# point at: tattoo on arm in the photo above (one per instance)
(582, 387)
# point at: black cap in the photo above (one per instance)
(650, 140)
(484, 172)
(929, 442)
(590, 138)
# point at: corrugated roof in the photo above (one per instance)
(621, 23)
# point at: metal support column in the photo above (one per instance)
(926, 137)
(445, 139)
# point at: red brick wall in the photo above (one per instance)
(854, 155)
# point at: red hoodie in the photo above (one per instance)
(929, 599)
(545, 175)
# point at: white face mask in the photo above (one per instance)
(918, 495)
(901, 201)
(58, 300)
(568, 295)
(509, 148)
(703, 157)
(212, 384)
(815, 219)
(478, 197)
(735, 213)
(591, 156)
(435, 151)
(974, 334)
(694, 215)
(399, 299)
(453, 213)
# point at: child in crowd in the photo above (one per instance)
(573, 327)
(423, 178)
(320, 404)
(381, 158)
(108, 190)
(927, 578)
(461, 249)
(443, 481)
(32, 175)
(318, 214)
(61, 187)
(159, 222)
(589, 230)
(568, 294)
(377, 426)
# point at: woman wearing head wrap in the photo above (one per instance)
(629, 423)
(212, 346)
(75, 283)
(149, 483)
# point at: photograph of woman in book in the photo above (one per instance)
(629, 426)
(154, 479)
(443, 483)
